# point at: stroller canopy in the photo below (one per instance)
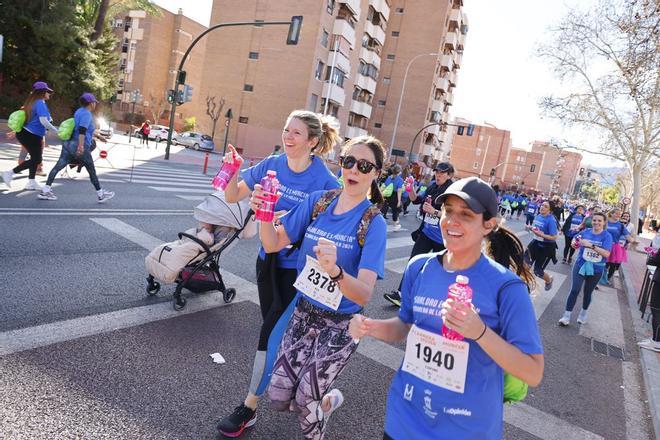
(217, 211)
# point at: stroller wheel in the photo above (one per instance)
(153, 287)
(179, 303)
(229, 295)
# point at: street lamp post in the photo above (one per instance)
(295, 25)
(228, 115)
(403, 89)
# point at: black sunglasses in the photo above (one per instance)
(364, 166)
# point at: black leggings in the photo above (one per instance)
(568, 249)
(423, 245)
(32, 143)
(655, 310)
(387, 437)
(270, 309)
(392, 202)
(611, 268)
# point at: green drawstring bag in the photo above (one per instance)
(16, 120)
(387, 190)
(65, 130)
(515, 389)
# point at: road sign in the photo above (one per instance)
(626, 201)
(103, 154)
(399, 153)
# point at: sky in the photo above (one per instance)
(501, 80)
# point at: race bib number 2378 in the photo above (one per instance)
(315, 283)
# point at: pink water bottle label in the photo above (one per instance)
(409, 184)
(270, 185)
(461, 293)
(576, 242)
(221, 180)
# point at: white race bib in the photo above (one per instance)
(622, 241)
(431, 220)
(531, 210)
(315, 283)
(592, 255)
(436, 360)
(575, 228)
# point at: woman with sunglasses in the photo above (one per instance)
(594, 249)
(338, 266)
(453, 389)
(543, 246)
(31, 137)
(301, 170)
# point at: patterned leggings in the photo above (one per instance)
(314, 350)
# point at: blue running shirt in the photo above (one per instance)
(547, 224)
(34, 126)
(602, 240)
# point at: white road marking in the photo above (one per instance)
(544, 425)
(194, 198)
(607, 327)
(128, 232)
(209, 190)
(540, 298)
(397, 265)
(207, 185)
(398, 242)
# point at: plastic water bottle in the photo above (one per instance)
(461, 293)
(270, 185)
(409, 183)
(221, 180)
(576, 242)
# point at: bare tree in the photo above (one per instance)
(214, 110)
(158, 106)
(608, 58)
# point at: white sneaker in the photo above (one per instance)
(6, 177)
(336, 400)
(397, 226)
(105, 196)
(46, 195)
(32, 185)
(650, 344)
(565, 319)
(582, 317)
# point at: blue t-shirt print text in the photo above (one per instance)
(547, 224)
(342, 230)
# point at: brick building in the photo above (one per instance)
(559, 170)
(522, 170)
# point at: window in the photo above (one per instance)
(319, 70)
(368, 70)
(331, 6)
(313, 102)
(253, 55)
(532, 168)
(391, 56)
(242, 119)
(398, 11)
(324, 38)
(387, 80)
(478, 151)
(435, 116)
(248, 87)
(460, 130)
(381, 103)
(378, 125)
(395, 33)
(338, 76)
(475, 165)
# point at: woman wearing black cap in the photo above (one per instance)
(428, 236)
(454, 388)
(31, 137)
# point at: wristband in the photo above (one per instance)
(339, 276)
(482, 333)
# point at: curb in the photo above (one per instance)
(648, 360)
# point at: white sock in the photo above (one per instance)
(99, 192)
(32, 180)
(46, 188)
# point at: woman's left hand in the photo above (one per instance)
(463, 318)
(326, 254)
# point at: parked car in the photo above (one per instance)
(104, 128)
(157, 133)
(197, 141)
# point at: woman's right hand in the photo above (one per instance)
(428, 208)
(359, 326)
(257, 197)
(233, 156)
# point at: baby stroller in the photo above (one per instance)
(192, 262)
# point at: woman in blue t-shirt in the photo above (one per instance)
(301, 170)
(570, 229)
(620, 237)
(453, 389)
(31, 137)
(544, 243)
(340, 259)
(393, 187)
(595, 245)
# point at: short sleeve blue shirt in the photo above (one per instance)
(295, 187)
(34, 126)
(84, 118)
(342, 230)
(602, 240)
(617, 230)
(547, 224)
(397, 181)
(574, 227)
(419, 410)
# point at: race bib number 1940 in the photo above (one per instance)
(315, 283)
(436, 360)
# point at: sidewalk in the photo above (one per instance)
(633, 276)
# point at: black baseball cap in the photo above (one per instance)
(444, 167)
(478, 195)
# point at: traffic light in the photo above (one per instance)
(181, 78)
(136, 96)
(170, 96)
(113, 98)
(492, 172)
(187, 93)
(179, 97)
(581, 172)
(470, 129)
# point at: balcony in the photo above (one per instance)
(343, 28)
(442, 84)
(361, 108)
(341, 61)
(461, 42)
(337, 95)
(369, 57)
(137, 14)
(455, 18)
(375, 32)
(451, 41)
(366, 83)
(382, 7)
(458, 60)
(433, 129)
(449, 98)
(427, 150)
(352, 132)
(134, 34)
(353, 6)
(445, 117)
(438, 105)
(452, 79)
(446, 61)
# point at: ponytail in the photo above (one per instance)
(330, 136)
(375, 196)
(505, 247)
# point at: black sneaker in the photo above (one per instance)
(234, 424)
(394, 297)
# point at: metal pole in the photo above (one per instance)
(412, 144)
(332, 72)
(403, 89)
(224, 146)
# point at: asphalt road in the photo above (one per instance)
(85, 353)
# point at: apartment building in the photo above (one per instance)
(422, 56)
(559, 170)
(150, 52)
(522, 170)
(483, 152)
